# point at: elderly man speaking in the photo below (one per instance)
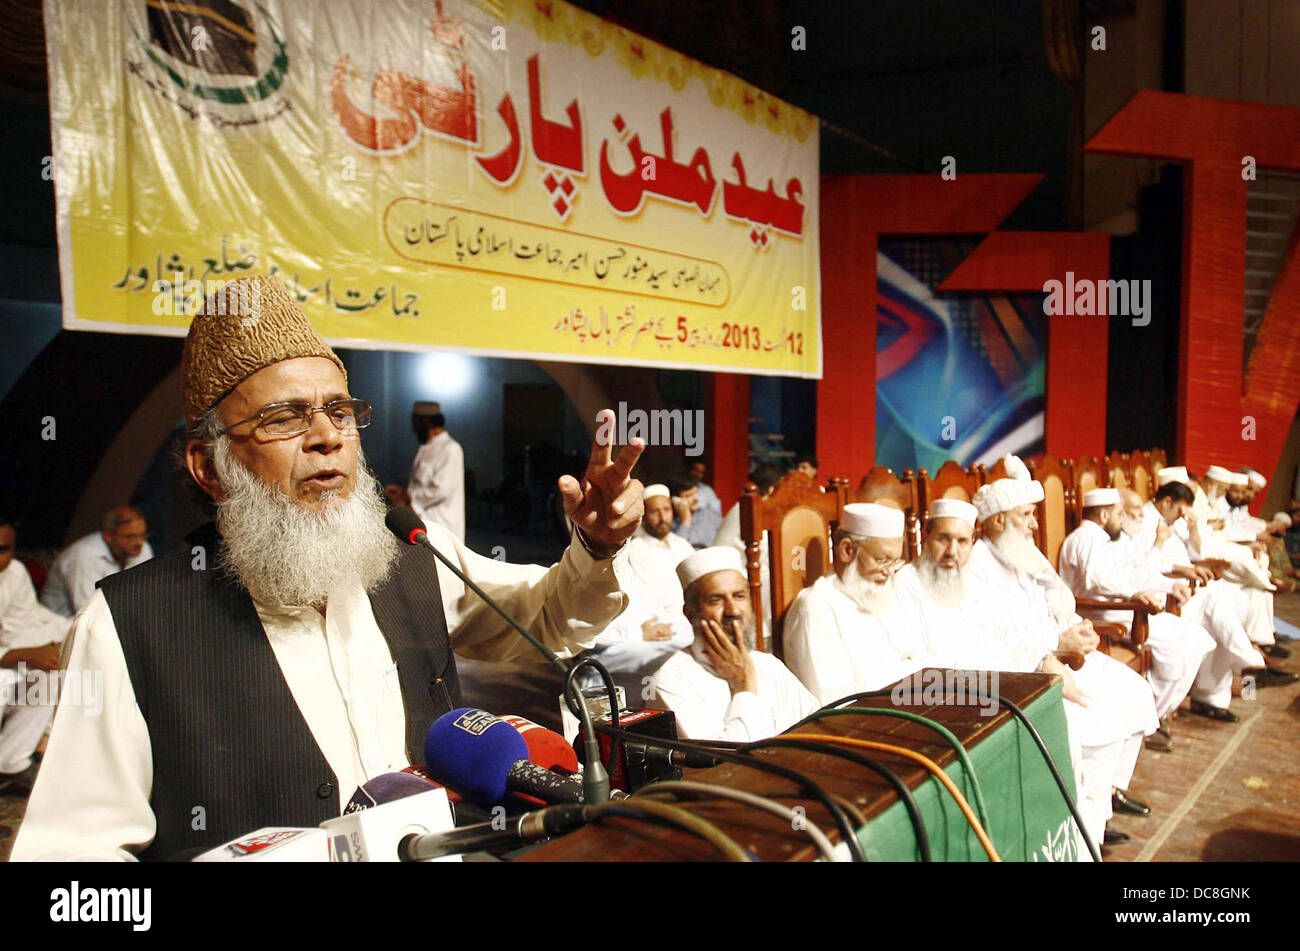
(294, 649)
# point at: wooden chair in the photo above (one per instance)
(1158, 460)
(1142, 479)
(1055, 511)
(1089, 473)
(950, 482)
(880, 485)
(798, 517)
(1117, 466)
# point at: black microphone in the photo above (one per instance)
(529, 827)
(409, 527)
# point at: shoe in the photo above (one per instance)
(1214, 713)
(1269, 677)
(1283, 638)
(1276, 650)
(19, 784)
(1164, 729)
(1114, 837)
(1121, 802)
(1159, 742)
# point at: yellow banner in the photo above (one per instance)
(509, 178)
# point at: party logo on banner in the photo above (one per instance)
(210, 58)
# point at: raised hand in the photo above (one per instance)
(606, 505)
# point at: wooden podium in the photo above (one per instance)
(1028, 819)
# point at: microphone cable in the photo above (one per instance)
(929, 764)
(816, 790)
(650, 810)
(900, 787)
(1042, 748)
(980, 805)
(683, 787)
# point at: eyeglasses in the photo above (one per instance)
(294, 418)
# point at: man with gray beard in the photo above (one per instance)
(722, 688)
(292, 649)
(1113, 707)
(838, 633)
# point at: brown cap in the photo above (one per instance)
(248, 324)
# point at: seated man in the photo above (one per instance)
(655, 551)
(695, 523)
(1209, 640)
(1119, 707)
(1154, 528)
(120, 543)
(295, 649)
(709, 500)
(30, 638)
(837, 632)
(967, 625)
(723, 689)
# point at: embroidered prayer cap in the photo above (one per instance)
(706, 561)
(655, 491)
(248, 324)
(954, 508)
(426, 408)
(1003, 495)
(872, 520)
(1095, 497)
(1172, 474)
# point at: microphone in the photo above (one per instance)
(409, 527)
(521, 830)
(484, 758)
(372, 833)
(546, 748)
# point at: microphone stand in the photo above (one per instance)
(595, 778)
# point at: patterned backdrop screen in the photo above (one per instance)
(958, 375)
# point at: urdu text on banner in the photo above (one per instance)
(514, 178)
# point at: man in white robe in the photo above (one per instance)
(437, 485)
(964, 625)
(1099, 561)
(30, 638)
(121, 543)
(652, 628)
(838, 631)
(1119, 707)
(722, 688)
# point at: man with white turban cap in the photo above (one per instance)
(1116, 708)
(837, 632)
(722, 688)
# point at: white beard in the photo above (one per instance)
(288, 555)
(947, 586)
(870, 597)
(1132, 527)
(1020, 552)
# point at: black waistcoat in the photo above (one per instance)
(231, 750)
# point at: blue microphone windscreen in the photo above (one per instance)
(471, 751)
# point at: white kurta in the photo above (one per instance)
(706, 709)
(91, 798)
(71, 581)
(437, 486)
(836, 649)
(1095, 567)
(655, 561)
(24, 621)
